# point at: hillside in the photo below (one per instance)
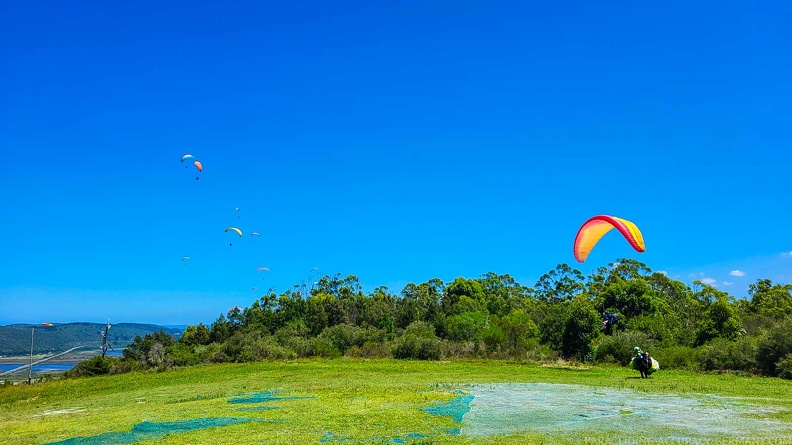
(15, 338)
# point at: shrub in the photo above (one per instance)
(722, 355)
(123, 366)
(93, 366)
(458, 349)
(774, 346)
(618, 348)
(182, 354)
(370, 349)
(494, 338)
(410, 346)
(418, 342)
(677, 357)
(784, 367)
(343, 336)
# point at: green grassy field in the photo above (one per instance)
(349, 400)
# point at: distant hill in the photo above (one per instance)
(15, 338)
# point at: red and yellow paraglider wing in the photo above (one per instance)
(596, 227)
(198, 165)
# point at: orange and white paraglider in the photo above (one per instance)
(196, 163)
(597, 226)
(199, 166)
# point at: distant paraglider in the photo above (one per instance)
(196, 163)
(185, 258)
(597, 226)
(199, 166)
(239, 232)
(262, 268)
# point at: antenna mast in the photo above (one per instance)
(106, 344)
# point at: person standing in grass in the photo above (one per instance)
(638, 362)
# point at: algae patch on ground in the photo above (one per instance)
(264, 397)
(153, 430)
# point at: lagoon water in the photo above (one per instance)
(43, 367)
(54, 366)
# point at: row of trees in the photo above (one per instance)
(695, 327)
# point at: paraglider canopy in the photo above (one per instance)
(597, 226)
(239, 232)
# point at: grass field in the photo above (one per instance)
(392, 401)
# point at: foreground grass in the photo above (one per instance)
(359, 401)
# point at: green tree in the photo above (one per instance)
(420, 303)
(718, 321)
(315, 314)
(196, 335)
(503, 294)
(560, 284)
(774, 346)
(630, 297)
(466, 327)
(463, 295)
(221, 330)
(551, 320)
(518, 329)
(580, 328)
(771, 300)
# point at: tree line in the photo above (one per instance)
(696, 327)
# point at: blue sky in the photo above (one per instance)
(398, 142)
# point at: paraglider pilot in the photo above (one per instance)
(608, 321)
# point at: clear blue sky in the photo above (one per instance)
(396, 141)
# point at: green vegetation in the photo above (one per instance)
(358, 400)
(698, 328)
(446, 336)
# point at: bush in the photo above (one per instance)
(677, 357)
(536, 352)
(343, 336)
(774, 346)
(784, 367)
(250, 346)
(123, 366)
(182, 354)
(458, 349)
(93, 366)
(370, 349)
(314, 347)
(722, 355)
(418, 342)
(410, 346)
(618, 348)
(494, 339)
